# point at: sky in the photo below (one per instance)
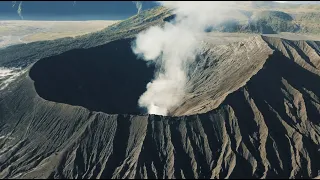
(79, 10)
(70, 10)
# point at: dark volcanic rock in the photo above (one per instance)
(263, 125)
(252, 111)
(107, 78)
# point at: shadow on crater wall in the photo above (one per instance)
(107, 78)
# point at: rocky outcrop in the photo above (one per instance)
(252, 112)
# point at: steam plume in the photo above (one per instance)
(174, 47)
(19, 11)
(138, 6)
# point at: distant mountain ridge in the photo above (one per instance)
(253, 110)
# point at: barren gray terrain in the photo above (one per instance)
(252, 109)
(21, 31)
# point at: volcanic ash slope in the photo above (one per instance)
(252, 111)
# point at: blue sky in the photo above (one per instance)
(70, 10)
(79, 10)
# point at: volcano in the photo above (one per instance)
(252, 109)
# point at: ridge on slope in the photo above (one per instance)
(221, 70)
(267, 128)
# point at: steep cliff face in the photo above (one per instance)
(252, 111)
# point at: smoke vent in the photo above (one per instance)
(106, 78)
(170, 18)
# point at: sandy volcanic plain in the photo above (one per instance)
(23, 31)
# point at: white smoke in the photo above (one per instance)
(14, 3)
(138, 6)
(175, 47)
(8, 75)
(19, 11)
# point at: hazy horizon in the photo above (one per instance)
(70, 11)
(41, 17)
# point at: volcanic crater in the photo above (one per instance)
(107, 78)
